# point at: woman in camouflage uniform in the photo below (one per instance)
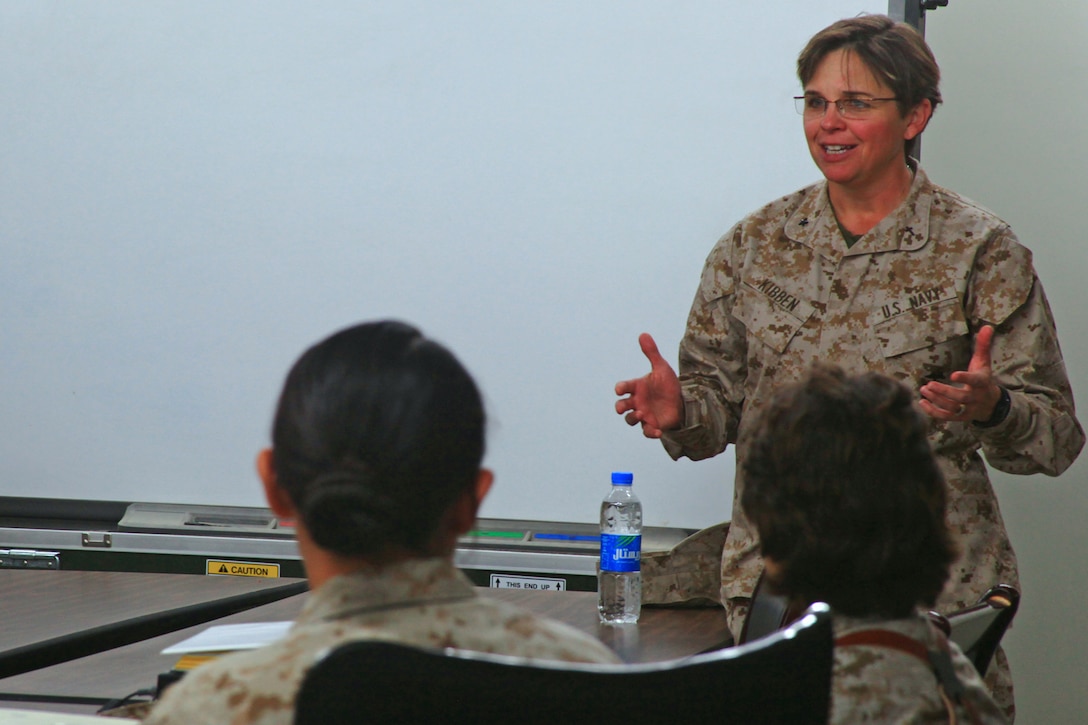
(875, 268)
(376, 451)
(849, 504)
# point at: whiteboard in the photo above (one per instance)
(193, 192)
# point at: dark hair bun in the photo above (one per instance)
(347, 513)
(377, 433)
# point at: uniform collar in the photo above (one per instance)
(813, 223)
(414, 582)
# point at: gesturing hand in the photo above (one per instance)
(653, 400)
(973, 392)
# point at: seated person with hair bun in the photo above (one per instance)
(849, 504)
(376, 451)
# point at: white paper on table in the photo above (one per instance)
(230, 637)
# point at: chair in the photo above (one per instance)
(767, 613)
(978, 629)
(783, 678)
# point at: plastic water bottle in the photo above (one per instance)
(619, 582)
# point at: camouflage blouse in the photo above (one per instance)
(781, 289)
(420, 602)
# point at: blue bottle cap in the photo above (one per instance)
(622, 478)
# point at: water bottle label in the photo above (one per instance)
(620, 552)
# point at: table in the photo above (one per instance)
(82, 684)
(662, 633)
(39, 604)
(124, 670)
(54, 616)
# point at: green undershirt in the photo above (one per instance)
(848, 237)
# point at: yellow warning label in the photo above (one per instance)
(243, 568)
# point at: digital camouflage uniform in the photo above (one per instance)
(687, 575)
(425, 603)
(878, 684)
(781, 290)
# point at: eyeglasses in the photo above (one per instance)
(854, 107)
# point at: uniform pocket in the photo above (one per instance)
(921, 328)
(770, 313)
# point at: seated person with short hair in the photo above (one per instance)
(376, 451)
(849, 503)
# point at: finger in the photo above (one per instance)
(934, 411)
(973, 380)
(953, 405)
(940, 393)
(632, 418)
(980, 359)
(650, 431)
(649, 349)
(623, 405)
(625, 387)
(947, 399)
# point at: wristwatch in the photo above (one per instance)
(1001, 411)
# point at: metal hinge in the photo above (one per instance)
(29, 559)
(97, 539)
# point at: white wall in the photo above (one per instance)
(534, 183)
(1013, 135)
(191, 192)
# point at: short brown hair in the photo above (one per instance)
(895, 53)
(844, 491)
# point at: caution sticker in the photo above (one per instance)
(218, 567)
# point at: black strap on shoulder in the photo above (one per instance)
(939, 660)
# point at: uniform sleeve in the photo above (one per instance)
(985, 709)
(1041, 433)
(192, 701)
(256, 687)
(713, 361)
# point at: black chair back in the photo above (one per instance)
(767, 613)
(783, 678)
(978, 629)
